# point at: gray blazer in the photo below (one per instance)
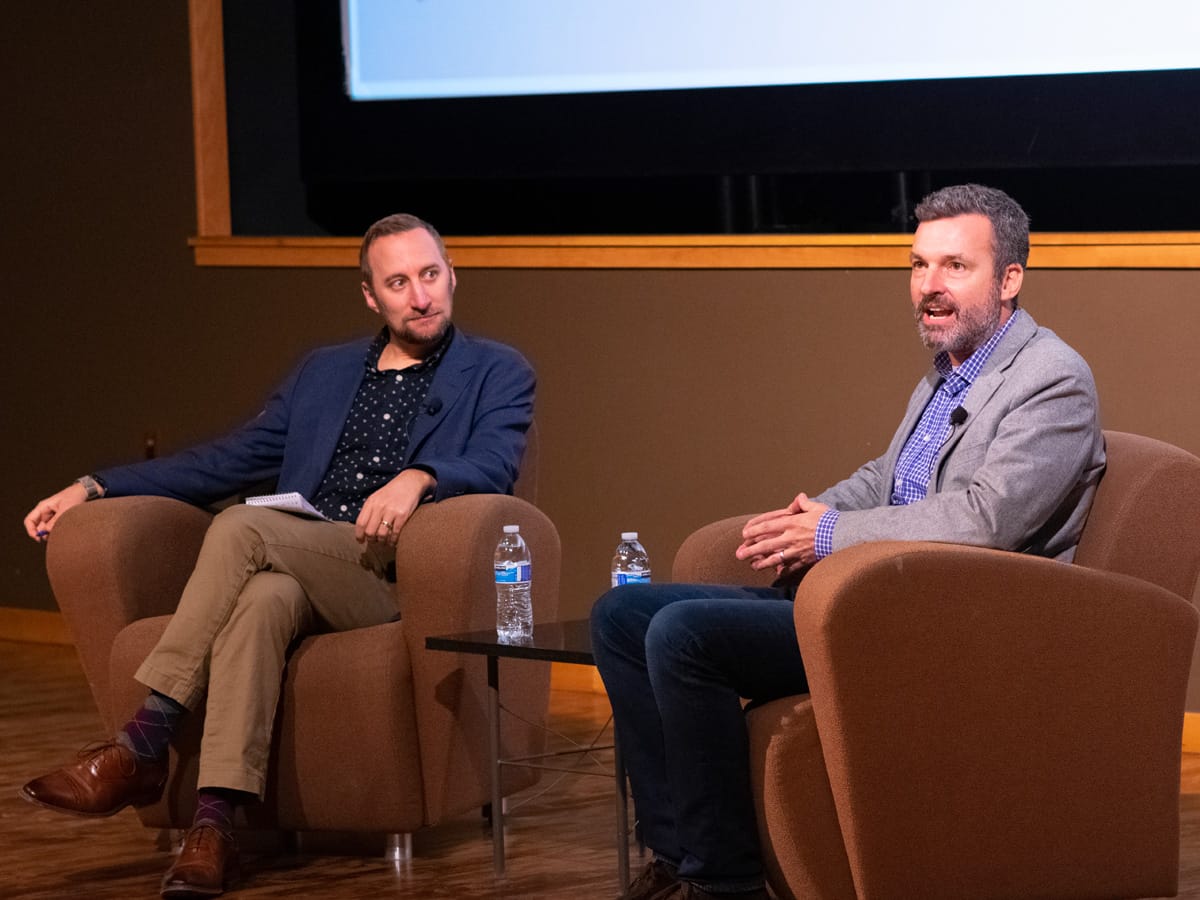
(1018, 474)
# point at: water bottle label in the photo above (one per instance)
(513, 574)
(620, 578)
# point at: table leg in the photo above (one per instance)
(493, 672)
(622, 814)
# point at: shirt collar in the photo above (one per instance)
(973, 364)
(429, 362)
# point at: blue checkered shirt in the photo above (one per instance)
(914, 467)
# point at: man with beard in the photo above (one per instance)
(367, 431)
(1000, 447)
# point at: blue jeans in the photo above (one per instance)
(676, 660)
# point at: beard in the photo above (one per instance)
(421, 332)
(424, 335)
(970, 328)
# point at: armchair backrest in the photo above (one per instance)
(1145, 520)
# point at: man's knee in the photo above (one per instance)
(630, 606)
(235, 526)
(696, 632)
(670, 631)
(618, 600)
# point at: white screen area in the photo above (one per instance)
(407, 49)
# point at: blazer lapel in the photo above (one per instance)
(991, 378)
(338, 394)
(447, 390)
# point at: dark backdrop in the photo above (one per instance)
(1084, 152)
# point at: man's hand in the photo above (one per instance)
(43, 517)
(385, 511)
(783, 539)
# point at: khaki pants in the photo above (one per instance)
(264, 578)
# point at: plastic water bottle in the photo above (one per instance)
(514, 606)
(630, 564)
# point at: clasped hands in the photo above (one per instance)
(783, 539)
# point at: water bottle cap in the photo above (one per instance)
(629, 535)
(511, 529)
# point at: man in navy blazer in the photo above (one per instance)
(366, 432)
(1000, 446)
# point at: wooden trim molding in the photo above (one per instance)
(215, 244)
(572, 677)
(210, 131)
(1191, 732)
(1158, 250)
(33, 626)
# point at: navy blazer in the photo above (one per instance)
(470, 433)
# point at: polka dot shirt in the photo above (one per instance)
(374, 439)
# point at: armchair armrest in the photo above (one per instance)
(706, 556)
(444, 575)
(962, 693)
(116, 560)
(445, 584)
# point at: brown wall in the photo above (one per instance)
(666, 398)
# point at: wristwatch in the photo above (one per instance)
(92, 486)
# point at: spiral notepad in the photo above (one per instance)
(292, 502)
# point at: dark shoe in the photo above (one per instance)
(655, 879)
(107, 778)
(207, 864)
(685, 890)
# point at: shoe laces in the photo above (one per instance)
(127, 760)
(199, 835)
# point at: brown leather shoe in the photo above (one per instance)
(207, 864)
(106, 779)
(655, 879)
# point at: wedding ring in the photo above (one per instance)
(387, 524)
(780, 557)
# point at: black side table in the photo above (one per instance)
(565, 642)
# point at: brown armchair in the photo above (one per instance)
(981, 723)
(118, 566)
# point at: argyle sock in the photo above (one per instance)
(217, 806)
(149, 731)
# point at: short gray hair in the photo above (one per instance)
(1010, 224)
